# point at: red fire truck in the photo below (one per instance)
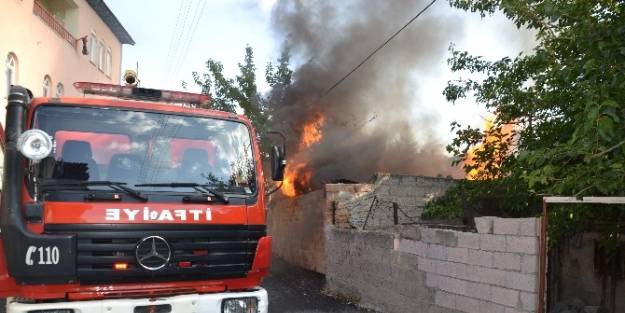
(133, 200)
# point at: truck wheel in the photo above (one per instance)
(3, 305)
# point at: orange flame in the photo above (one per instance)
(296, 179)
(476, 173)
(312, 132)
(297, 174)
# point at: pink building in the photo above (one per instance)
(47, 45)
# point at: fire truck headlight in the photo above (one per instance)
(240, 305)
(35, 144)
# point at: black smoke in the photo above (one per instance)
(374, 120)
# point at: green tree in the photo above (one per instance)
(566, 102)
(229, 94)
(279, 76)
(566, 99)
(246, 91)
(216, 85)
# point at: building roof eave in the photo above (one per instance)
(111, 21)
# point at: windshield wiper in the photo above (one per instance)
(117, 186)
(203, 188)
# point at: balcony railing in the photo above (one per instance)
(53, 23)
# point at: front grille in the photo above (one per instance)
(207, 251)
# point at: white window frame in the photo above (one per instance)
(108, 62)
(93, 48)
(101, 55)
(47, 86)
(60, 90)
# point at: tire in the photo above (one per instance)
(3, 305)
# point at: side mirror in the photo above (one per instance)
(278, 163)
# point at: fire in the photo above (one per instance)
(297, 174)
(477, 173)
(312, 132)
(296, 179)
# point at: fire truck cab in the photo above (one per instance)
(131, 204)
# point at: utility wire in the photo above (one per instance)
(376, 50)
(176, 45)
(190, 37)
(173, 36)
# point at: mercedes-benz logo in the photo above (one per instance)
(153, 253)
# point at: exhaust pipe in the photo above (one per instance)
(20, 244)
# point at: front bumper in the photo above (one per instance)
(193, 303)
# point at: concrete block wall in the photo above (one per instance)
(437, 270)
(351, 204)
(296, 225)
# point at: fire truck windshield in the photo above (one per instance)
(141, 147)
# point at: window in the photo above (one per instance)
(108, 62)
(101, 55)
(10, 72)
(146, 147)
(93, 48)
(47, 84)
(60, 90)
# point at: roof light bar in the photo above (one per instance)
(137, 93)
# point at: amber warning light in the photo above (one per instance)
(137, 93)
(120, 266)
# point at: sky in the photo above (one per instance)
(175, 38)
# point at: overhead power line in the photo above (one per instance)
(195, 21)
(376, 50)
(176, 43)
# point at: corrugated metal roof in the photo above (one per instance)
(111, 21)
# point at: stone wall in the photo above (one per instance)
(296, 225)
(370, 206)
(436, 270)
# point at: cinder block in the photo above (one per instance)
(460, 255)
(428, 235)
(488, 276)
(529, 301)
(468, 240)
(506, 226)
(426, 265)
(478, 291)
(484, 224)
(404, 260)
(437, 252)
(520, 281)
(493, 242)
(451, 269)
(410, 232)
(468, 305)
(529, 264)
(407, 246)
(444, 299)
(453, 285)
(512, 310)
(489, 307)
(507, 261)
(377, 239)
(504, 296)
(529, 226)
(432, 280)
(527, 245)
(481, 258)
(422, 248)
(446, 238)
